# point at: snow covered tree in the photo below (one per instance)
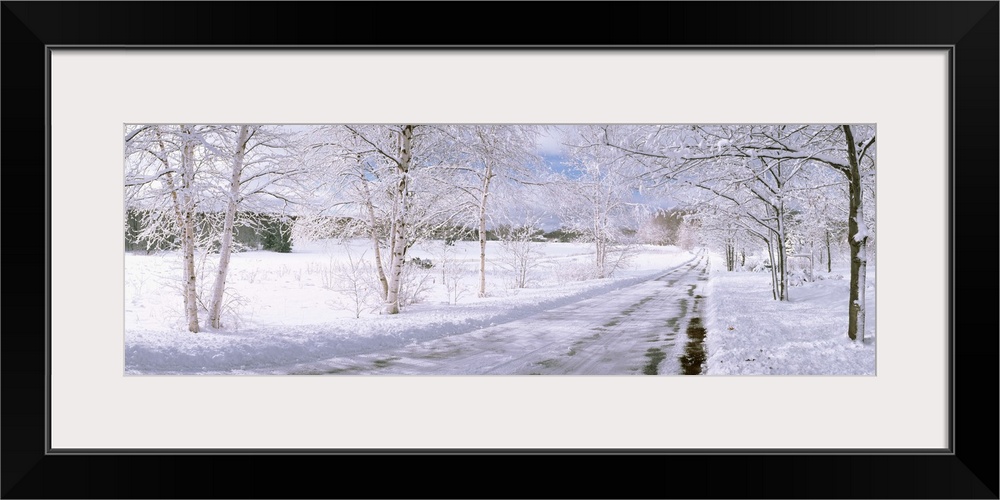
(833, 147)
(596, 196)
(161, 169)
(518, 248)
(752, 166)
(193, 184)
(232, 202)
(857, 230)
(263, 169)
(390, 184)
(662, 227)
(823, 214)
(486, 153)
(720, 231)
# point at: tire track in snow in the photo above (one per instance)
(621, 344)
(614, 333)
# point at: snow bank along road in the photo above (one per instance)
(630, 331)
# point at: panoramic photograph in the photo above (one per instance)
(499, 249)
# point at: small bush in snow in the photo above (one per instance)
(575, 271)
(135, 286)
(415, 282)
(455, 286)
(354, 281)
(421, 263)
(236, 311)
(519, 257)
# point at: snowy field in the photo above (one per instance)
(749, 333)
(298, 312)
(288, 309)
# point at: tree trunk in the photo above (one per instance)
(373, 234)
(598, 234)
(601, 256)
(179, 205)
(782, 270)
(226, 248)
(812, 260)
(856, 239)
(482, 228)
(774, 274)
(829, 259)
(188, 235)
(730, 256)
(525, 267)
(779, 213)
(398, 244)
(782, 260)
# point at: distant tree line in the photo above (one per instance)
(251, 231)
(335, 227)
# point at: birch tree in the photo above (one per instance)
(233, 197)
(489, 154)
(353, 201)
(264, 177)
(389, 190)
(596, 197)
(207, 178)
(403, 159)
(161, 166)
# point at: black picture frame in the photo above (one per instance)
(968, 469)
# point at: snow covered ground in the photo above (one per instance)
(290, 309)
(631, 330)
(750, 333)
(292, 313)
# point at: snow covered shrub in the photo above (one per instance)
(619, 258)
(205, 269)
(518, 255)
(237, 311)
(796, 279)
(800, 270)
(758, 264)
(828, 276)
(135, 286)
(353, 281)
(415, 282)
(575, 271)
(250, 275)
(454, 285)
(451, 268)
(421, 263)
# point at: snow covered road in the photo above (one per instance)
(630, 331)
